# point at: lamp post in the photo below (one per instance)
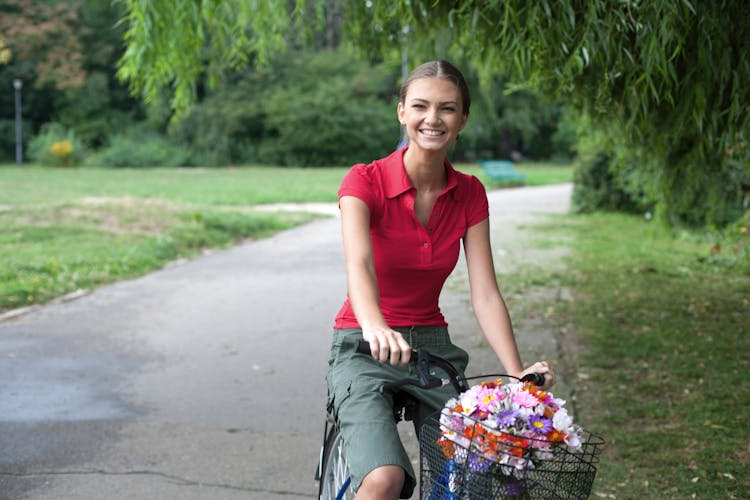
(18, 84)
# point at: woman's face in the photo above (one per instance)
(432, 113)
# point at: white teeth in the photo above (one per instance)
(431, 132)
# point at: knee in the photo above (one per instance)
(384, 482)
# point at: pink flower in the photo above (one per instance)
(525, 399)
(488, 399)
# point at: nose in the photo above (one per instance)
(432, 116)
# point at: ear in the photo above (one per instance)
(400, 112)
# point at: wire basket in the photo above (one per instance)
(463, 474)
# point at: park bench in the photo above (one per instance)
(501, 170)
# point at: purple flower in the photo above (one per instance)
(540, 425)
(478, 463)
(507, 418)
(515, 489)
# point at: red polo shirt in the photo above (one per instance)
(412, 261)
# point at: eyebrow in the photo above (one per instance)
(426, 101)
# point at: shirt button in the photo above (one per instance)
(426, 245)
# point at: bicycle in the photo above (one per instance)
(562, 474)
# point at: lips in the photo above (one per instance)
(431, 132)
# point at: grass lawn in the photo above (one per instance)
(665, 329)
(29, 185)
(62, 230)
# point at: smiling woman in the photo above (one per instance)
(403, 220)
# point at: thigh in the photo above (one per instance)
(364, 415)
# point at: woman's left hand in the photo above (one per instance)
(543, 368)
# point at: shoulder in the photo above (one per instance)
(365, 181)
(468, 186)
(362, 175)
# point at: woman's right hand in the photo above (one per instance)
(387, 345)
(543, 368)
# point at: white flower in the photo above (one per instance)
(573, 440)
(561, 421)
(469, 400)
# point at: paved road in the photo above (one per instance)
(204, 380)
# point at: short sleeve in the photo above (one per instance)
(358, 182)
(478, 206)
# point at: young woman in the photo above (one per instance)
(403, 219)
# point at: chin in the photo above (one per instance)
(431, 145)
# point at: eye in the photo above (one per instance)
(417, 106)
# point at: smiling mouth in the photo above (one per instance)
(430, 132)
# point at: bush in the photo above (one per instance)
(308, 109)
(605, 179)
(332, 125)
(56, 146)
(140, 149)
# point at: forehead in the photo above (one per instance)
(433, 89)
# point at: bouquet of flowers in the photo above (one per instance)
(512, 426)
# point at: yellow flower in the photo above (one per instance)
(62, 149)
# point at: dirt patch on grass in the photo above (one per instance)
(131, 216)
(130, 201)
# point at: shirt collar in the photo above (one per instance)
(396, 182)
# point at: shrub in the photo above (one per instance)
(605, 179)
(308, 109)
(56, 146)
(332, 125)
(140, 149)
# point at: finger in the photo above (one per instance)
(374, 347)
(405, 350)
(400, 349)
(395, 348)
(384, 351)
(395, 354)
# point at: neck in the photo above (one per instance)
(425, 169)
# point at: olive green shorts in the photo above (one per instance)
(365, 416)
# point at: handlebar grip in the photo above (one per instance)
(535, 378)
(363, 347)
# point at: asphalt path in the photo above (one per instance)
(204, 380)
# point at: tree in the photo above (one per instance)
(175, 43)
(669, 79)
(43, 39)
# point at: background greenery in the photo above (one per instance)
(649, 95)
(661, 85)
(310, 106)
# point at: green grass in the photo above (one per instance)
(30, 185)
(664, 373)
(62, 230)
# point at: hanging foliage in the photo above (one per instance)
(668, 79)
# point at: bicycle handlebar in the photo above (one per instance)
(429, 381)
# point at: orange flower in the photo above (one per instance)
(556, 436)
(447, 447)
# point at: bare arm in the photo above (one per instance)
(386, 344)
(489, 306)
